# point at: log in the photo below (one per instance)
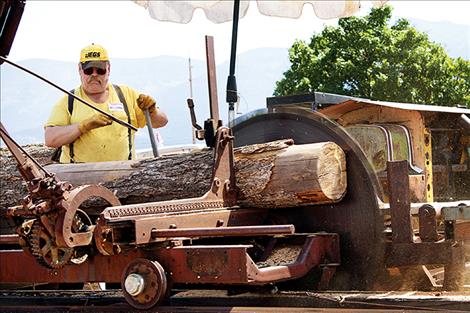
(272, 175)
(12, 186)
(281, 174)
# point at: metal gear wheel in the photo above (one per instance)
(44, 247)
(45, 250)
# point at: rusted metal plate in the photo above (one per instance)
(205, 264)
(215, 218)
(20, 267)
(461, 212)
(234, 231)
(184, 264)
(406, 254)
(462, 230)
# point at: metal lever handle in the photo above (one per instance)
(193, 115)
(199, 131)
(151, 134)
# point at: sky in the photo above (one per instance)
(60, 29)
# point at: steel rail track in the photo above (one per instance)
(219, 301)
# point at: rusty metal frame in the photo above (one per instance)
(403, 250)
(214, 264)
(52, 202)
(155, 216)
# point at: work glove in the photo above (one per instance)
(98, 120)
(146, 102)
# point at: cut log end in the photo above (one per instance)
(294, 176)
(331, 168)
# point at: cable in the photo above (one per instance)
(69, 93)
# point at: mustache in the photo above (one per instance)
(91, 79)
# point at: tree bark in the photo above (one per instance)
(12, 186)
(276, 174)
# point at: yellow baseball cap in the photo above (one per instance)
(94, 56)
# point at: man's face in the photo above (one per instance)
(93, 79)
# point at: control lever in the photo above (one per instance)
(210, 127)
(199, 131)
(151, 134)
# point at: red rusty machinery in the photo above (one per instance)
(151, 247)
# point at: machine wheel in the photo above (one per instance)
(144, 283)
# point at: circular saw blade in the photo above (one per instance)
(356, 218)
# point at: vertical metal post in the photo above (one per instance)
(399, 194)
(455, 269)
(193, 130)
(232, 96)
(212, 81)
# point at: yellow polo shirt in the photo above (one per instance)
(108, 143)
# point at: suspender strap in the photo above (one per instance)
(70, 107)
(126, 109)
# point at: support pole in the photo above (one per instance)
(399, 192)
(232, 96)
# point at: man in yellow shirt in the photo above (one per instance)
(86, 135)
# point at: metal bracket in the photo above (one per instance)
(223, 171)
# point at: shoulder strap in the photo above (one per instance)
(126, 109)
(70, 107)
(70, 101)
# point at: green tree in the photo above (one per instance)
(365, 57)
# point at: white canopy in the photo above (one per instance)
(220, 11)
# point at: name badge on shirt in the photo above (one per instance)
(116, 107)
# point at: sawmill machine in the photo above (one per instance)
(213, 241)
(351, 243)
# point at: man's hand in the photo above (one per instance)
(146, 102)
(93, 122)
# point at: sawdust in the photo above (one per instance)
(284, 254)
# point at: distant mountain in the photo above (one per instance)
(26, 101)
(455, 38)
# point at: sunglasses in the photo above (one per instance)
(90, 70)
